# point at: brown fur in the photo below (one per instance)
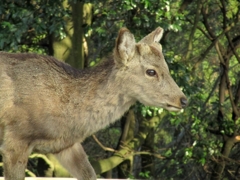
(48, 106)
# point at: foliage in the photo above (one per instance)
(140, 16)
(26, 25)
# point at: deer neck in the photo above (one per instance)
(103, 99)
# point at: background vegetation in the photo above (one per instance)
(201, 44)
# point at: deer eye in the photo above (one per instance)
(151, 72)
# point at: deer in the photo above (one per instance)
(47, 106)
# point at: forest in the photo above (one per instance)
(201, 45)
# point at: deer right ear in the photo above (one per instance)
(154, 36)
(124, 47)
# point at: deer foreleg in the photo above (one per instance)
(15, 157)
(75, 160)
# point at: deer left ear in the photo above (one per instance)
(125, 46)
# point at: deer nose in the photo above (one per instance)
(184, 102)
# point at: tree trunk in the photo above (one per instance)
(125, 168)
(71, 48)
(148, 160)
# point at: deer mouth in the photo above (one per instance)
(171, 107)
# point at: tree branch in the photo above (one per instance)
(150, 154)
(126, 151)
(228, 83)
(206, 24)
(233, 46)
(237, 97)
(205, 53)
(196, 20)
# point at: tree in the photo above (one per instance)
(215, 105)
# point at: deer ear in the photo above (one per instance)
(143, 49)
(124, 47)
(154, 36)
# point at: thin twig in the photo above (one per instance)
(102, 146)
